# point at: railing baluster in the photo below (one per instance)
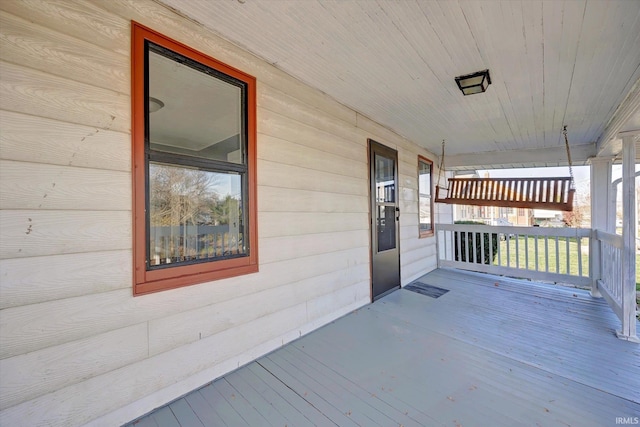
(546, 253)
(557, 256)
(537, 255)
(566, 239)
(474, 253)
(526, 252)
(455, 237)
(517, 251)
(491, 248)
(508, 250)
(580, 256)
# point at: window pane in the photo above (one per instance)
(192, 112)
(386, 228)
(424, 176)
(385, 179)
(424, 195)
(425, 213)
(194, 215)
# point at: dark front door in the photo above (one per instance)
(385, 253)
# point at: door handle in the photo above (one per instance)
(397, 214)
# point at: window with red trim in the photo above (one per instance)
(194, 166)
(425, 203)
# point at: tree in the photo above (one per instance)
(581, 212)
(180, 196)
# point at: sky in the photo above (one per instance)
(579, 172)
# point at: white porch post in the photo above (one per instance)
(601, 219)
(629, 224)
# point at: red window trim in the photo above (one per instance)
(174, 277)
(425, 233)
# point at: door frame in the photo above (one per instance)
(371, 145)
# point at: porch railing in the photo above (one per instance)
(546, 254)
(611, 284)
(578, 256)
(610, 281)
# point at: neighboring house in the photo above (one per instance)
(492, 215)
(174, 206)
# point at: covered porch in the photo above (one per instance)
(80, 346)
(489, 351)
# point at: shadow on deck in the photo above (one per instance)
(490, 352)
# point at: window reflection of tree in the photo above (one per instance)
(190, 218)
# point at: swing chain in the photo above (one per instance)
(566, 144)
(441, 167)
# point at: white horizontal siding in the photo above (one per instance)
(52, 187)
(278, 199)
(83, 20)
(313, 158)
(298, 223)
(59, 366)
(182, 328)
(283, 127)
(29, 91)
(328, 116)
(47, 278)
(28, 233)
(39, 140)
(29, 328)
(58, 54)
(281, 175)
(282, 248)
(65, 223)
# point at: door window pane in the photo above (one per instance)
(386, 228)
(385, 179)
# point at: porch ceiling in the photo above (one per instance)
(551, 63)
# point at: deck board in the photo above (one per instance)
(230, 417)
(292, 405)
(491, 351)
(205, 412)
(184, 414)
(245, 388)
(164, 418)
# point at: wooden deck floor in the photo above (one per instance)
(490, 352)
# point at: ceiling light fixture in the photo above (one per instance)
(477, 82)
(155, 104)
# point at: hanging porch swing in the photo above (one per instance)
(553, 193)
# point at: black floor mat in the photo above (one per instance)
(424, 289)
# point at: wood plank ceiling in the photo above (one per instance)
(551, 62)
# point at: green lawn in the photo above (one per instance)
(527, 252)
(562, 259)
